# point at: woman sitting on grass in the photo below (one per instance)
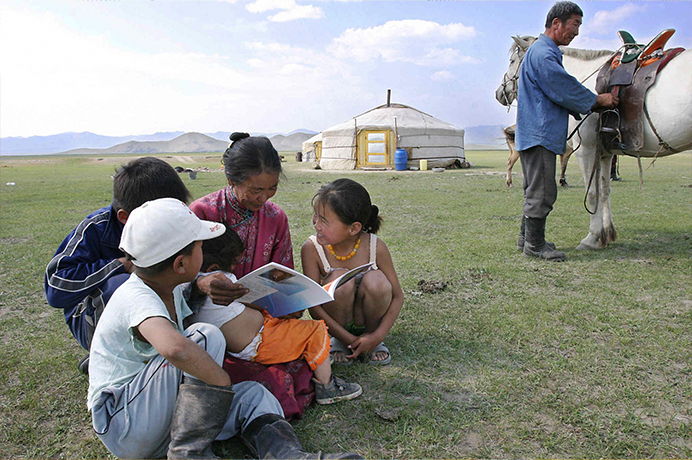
(365, 308)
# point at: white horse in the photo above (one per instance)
(668, 129)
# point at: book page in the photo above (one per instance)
(346, 277)
(281, 290)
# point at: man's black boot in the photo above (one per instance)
(271, 436)
(535, 244)
(522, 238)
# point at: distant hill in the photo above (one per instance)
(86, 142)
(291, 142)
(42, 145)
(186, 143)
(189, 143)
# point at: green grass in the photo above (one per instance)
(514, 358)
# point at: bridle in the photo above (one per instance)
(520, 52)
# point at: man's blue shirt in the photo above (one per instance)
(547, 95)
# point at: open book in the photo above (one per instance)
(282, 291)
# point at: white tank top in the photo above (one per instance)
(323, 257)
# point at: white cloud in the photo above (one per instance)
(257, 63)
(290, 10)
(442, 75)
(294, 69)
(415, 41)
(299, 12)
(261, 6)
(603, 22)
(57, 79)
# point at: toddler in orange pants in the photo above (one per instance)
(252, 334)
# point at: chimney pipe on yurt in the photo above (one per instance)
(389, 97)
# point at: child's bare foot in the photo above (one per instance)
(380, 355)
(338, 352)
(339, 357)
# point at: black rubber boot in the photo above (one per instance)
(200, 414)
(83, 365)
(535, 244)
(271, 436)
(522, 239)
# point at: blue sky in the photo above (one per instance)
(136, 67)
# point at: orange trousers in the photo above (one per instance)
(285, 340)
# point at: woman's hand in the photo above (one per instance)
(219, 288)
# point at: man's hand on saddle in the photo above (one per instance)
(606, 101)
(220, 289)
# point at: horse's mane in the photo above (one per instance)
(528, 38)
(585, 55)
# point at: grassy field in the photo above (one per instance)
(515, 358)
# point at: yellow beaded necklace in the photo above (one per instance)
(351, 254)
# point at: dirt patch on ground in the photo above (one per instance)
(13, 240)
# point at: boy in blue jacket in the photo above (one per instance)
(88, 266)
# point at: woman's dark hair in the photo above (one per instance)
(160, 267)
(222, 250)
(249, 156)
(146, 179)
(562, 11)
(351, 203)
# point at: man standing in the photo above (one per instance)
(547, 95)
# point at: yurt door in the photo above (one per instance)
(318, 151)
(374, 148)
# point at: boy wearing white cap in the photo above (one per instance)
(155, 387)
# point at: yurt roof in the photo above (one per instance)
(407, 119)
(316, 138)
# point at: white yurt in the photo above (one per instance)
(312, 148)
(370, 139)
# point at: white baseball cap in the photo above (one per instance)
(160, 228)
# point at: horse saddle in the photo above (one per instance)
(629, 75)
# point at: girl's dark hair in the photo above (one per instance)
(351, 203)
(222, 250)
(160, 267)
(249, 156)
(562, 11)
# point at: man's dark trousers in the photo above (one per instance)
(540, 188)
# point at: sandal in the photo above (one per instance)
(337, 346)
(383, 362)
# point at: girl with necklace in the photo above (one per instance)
(365, 308)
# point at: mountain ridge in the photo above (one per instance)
(482, 137)
(188, 143)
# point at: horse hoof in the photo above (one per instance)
(563, 183)
(587, 245)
